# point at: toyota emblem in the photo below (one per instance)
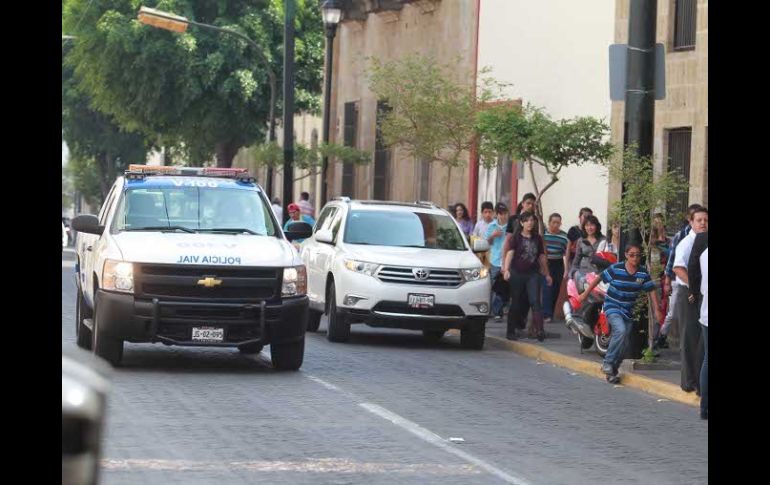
(420, 273)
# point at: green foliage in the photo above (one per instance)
(645, 192)
(203, 89)
(95, 140)
(306, 158)
(529, 134)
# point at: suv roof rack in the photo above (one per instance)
(430, 205)
(342, 198)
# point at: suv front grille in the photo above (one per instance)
(446, 278)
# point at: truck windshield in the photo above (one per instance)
(194, 209)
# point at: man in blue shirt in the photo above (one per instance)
(496, 238)
(626, 281)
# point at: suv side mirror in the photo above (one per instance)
(480, 246)
(299, 230)
(324, 236)
(87, 223)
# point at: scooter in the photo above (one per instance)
(587, 320)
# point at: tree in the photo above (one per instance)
(305, 158)
(644, 193)
(202, 89)
(99, 148)
(530, 135)
(431, 116)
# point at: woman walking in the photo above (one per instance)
(525, 265)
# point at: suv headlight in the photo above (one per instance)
(294, 281)
(118, 276)
(474, 274)
(362, 267)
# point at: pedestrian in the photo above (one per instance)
(612, 243)
(671, 287)
(460, 213)
(659, 258)
(525, 266)
(584, 263)
(556, 251)
(576, 233)
(626, 281)
(527, 204)
(295, 215)
(691, 339)
(487, 214)
(495, 236)
(698, 273)
(305, 206)
(277, 209)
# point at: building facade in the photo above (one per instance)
(680, 137)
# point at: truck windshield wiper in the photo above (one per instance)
(162, 228)
(234, 230)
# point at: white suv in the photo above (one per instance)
(397, 265)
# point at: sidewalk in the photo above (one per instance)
(562, 349)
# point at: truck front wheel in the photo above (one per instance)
(288, 356)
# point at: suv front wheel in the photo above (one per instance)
(472, 335)
(339, 327)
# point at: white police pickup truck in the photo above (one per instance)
(190, 256)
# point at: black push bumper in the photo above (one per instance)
(169, 321)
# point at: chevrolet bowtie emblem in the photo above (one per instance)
(209, 282)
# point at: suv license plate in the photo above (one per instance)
(420, 301)
(208, 334)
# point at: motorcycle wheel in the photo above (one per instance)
(602, 344)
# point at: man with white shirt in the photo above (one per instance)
(691, 341)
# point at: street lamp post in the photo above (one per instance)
(177, 23)
(331, 14)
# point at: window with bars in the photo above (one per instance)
(381, 157)
(685, 19)
(350, 138)
(679, 142)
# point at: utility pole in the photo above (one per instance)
(288, 107)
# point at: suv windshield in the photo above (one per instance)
(403, 229)
(194, 209)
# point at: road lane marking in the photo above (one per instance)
(319, 465)
(422, 433)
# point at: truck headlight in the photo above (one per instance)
(118, 276)
(474, 274)
(362, 267)
(294, 281)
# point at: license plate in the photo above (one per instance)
(208, 334)
(420, 301)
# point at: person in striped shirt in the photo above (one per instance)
(556, 243)
(626, 281)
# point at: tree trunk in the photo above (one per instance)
(448, 180)
(225, 153)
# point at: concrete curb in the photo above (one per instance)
(643, 383)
